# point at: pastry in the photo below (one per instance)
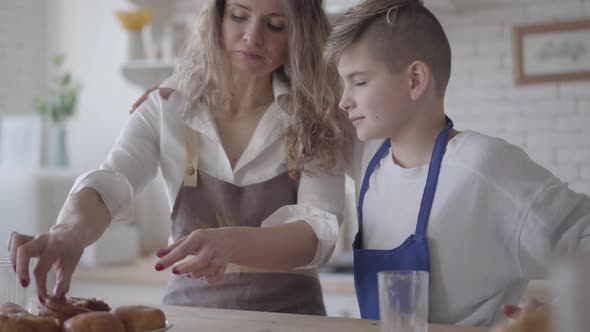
(25, 322)
(94, 322)
(137, 318)
(63, 310)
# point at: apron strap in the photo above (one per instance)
(432, 179)
(365, 185)
(192, 157)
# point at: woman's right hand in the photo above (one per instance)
(164, 93)
(56, 248)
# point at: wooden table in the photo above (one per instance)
(189, 319)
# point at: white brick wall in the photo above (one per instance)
(187, 8)
(550, 121)
(23, 54)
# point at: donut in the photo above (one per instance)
(138, 318)
(94, 322)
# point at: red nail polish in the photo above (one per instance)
(175, 271)
(188, 276)
(159, 267)
(41, 299)
(161, 253)
(14, 267)
(24, 282)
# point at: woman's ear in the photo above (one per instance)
(418, 79)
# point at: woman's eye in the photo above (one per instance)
(238, 18)
(360, 83)
(275, 28)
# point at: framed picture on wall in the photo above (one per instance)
(551, 52)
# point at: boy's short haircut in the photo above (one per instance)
(400, 32)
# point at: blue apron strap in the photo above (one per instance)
(432, 179)
(372, 164)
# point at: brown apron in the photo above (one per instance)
(204, 201)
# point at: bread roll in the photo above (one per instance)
(139, 318)
(25, 322)
(94, 322)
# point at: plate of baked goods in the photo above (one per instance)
(81, 314)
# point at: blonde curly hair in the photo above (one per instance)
(317, 131)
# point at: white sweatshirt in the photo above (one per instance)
(497, 220)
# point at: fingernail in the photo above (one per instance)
(159, 267)
(24, 282)
(161, 252)
(41, 299)
(175, 271)
(14, 267)
(188, 276)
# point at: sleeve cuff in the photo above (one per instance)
(324, 225)
(113, 188)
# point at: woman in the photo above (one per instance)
(250, 149)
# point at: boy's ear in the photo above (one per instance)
(418, 79)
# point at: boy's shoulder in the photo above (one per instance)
(480, 147)
(496, 160)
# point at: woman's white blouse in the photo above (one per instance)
(155, 138)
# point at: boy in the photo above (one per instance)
(497, 217)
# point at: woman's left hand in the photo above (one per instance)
(210, 253)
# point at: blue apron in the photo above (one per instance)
(410, 255)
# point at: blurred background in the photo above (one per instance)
(71, 69)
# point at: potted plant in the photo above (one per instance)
(58, 107)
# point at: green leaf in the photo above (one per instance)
(40, 105)
(66, 79)
(62, 93)
(55, 113)
(58, 60)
